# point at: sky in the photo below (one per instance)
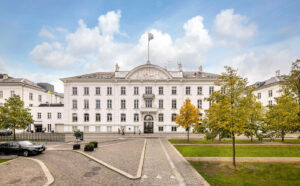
(44, 41)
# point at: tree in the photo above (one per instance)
(282, 117)
(14, 116)
(188, 117)
(229, 106)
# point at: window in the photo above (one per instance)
(136, 117)
(109, 104)
(39, 115)
(98, 104)
(123, 90)
(86, 117)
(148, 90)
(188, 90)
(40, 98)
(174, 129)
(161, 103)
(1, 94)
(136, 91)
(270, 102)
(109, 90)
(49, 128)
(74, 91)
(211, 90)
(258, 95)
(98, 129)
(123, 104)
(160, 129)
(199, 90)
(74, 117)
(173, 117)
(109, 128)
(174, 104)
(74, 128)
(59, 115)
(174, 90)
(270, 93)
(30, 96)
(74, 104)
(86, 104)
(86, 128)
(160, 90)
(98, 91)
(160, 117)
(148, 103)
(49, 115)
(12, 93)
(86, 91)
(136, 104)
(109, 117)
(98, 117)
(123, 117)
(199, 103)
(30, 105)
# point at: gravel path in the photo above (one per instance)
(71, 168)
(21, 171)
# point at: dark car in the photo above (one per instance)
(24, 148)
(5, 132)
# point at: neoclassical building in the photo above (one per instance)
(144, 99)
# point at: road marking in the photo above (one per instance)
(172, 177)
(145, 176)
(158, 177)
(177, 174)
(46, 171)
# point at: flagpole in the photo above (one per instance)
(148, 49)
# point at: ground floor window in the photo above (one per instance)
(86, 128)
(174, 129)
(160, 129)
(109, 128)
(74, 128)
(97, 128)
(49, 127)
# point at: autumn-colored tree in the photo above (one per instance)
(188, 117)
(229, 106)
(13, 115)
(282, 117)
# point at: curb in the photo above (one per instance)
(45, 170)
(246, 159)
(205, 183)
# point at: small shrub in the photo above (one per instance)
(89, 147)
(210, 136)
(76, 146)
(95, 143)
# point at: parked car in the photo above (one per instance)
(5, 132)
(24, 148)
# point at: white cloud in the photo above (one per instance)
(232, 29)
(45, 32)
(109, 23)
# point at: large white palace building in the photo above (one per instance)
(144, 99)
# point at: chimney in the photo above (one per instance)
(200, 68)
(277, 73)
(117, 67)
(180, 67)
(4, 76)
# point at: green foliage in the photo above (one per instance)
(282, 117)
(188, 117)
(78, 134)
(95, 143)
(13, 115)
(89, 147)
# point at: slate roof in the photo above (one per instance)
(20, 81)
(269, 82)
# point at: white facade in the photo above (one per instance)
(133, 84)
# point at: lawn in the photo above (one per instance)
(229, 141)
(241, 151)
(4, 160)
(263, 174)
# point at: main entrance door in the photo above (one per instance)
(148, 124)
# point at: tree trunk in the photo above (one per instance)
(188, 135)
(282, 136)
(233, 151)
(251, 138)
(14, 134)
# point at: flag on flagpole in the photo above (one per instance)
(150, 36)
(47, 91)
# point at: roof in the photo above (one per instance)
(21, 81)
(195, 75)
(272, 81)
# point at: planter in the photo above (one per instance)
(89, 147)
(76, 146)
(95, 143)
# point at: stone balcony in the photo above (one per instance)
(152, 109)
(148, 96)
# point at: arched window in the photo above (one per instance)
(148, 118)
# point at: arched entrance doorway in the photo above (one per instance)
(148, 124)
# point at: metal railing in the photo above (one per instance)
(59, 137)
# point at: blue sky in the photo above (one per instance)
(45, 40)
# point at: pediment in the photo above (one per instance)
(149, 73)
